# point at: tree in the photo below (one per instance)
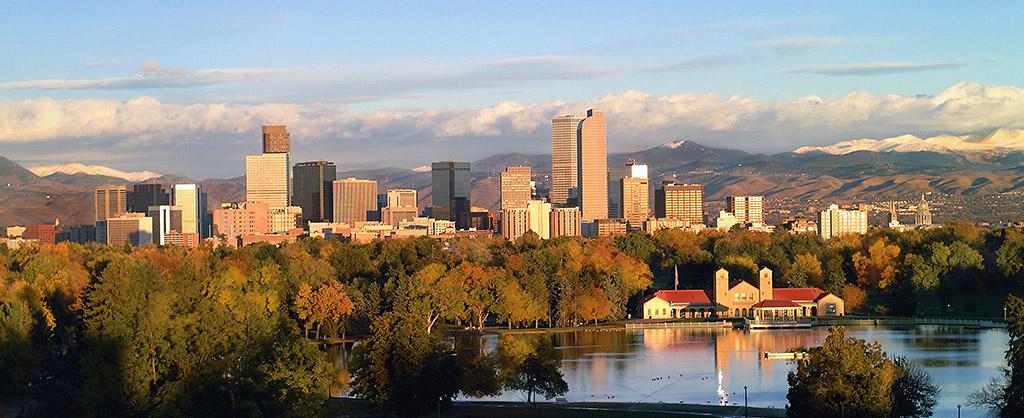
(1010, 255)
(429, 294)
(854, 297)
(878, 267)
(844, 377)
(1013, 393)
(805, 271)
(401, 369)
(913, 393)
(539, 374)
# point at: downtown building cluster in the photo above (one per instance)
(284, 201)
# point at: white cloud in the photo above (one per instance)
(152, 75)
(634, 117)
(885, 68)
(793, 44)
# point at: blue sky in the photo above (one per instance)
(392, 80)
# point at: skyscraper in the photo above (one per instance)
(565, 222)
(534, 216)
(592, 166)
(111, 201)
(145, 195)
(747, 209)
(192, 201)
(276, 139)
(564, 158)
(635, 196)
(313, 190)
(515, 187)
(450, 192)
(354, 200)
(402, 198)
(266, 179)
(684, 202)
(615, 176)
(166, 219)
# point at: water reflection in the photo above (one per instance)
(711, 366)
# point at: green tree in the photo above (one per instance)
(1013, 392)
(805, 271)
(539, 374)
(913, 392)
(844, 377)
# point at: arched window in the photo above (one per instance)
(737, 311)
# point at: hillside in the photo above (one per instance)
(807, 174)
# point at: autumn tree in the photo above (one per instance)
(430, 294)
(877, 268)
(539, 374)
(805, 271)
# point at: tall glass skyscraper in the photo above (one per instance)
(450, 192)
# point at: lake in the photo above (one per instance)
(711, 366)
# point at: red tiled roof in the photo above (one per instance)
(775, 303)
(797, 293)
(683, 296)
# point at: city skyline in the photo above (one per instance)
(725, 75)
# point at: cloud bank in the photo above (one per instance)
(636, 120)
(883, 68)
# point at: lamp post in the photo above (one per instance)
(744, 401)
(958, 411)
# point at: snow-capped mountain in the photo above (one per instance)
(998, 141)
(92, 170)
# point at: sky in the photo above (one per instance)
(182, 87)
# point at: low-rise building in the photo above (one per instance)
(741, 299)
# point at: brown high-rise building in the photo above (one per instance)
(515, 187)
(564, 158)
(111, 201)
(565, 222)
(593, 166)
(355, 200)
(233, 220)
(634, 192)
(402, 198)
(747, 209)
(684, 202)
(276, 139)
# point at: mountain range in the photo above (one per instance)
(858, 170)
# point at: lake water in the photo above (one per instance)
(711, 366)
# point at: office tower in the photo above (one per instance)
(565, 222)
(134, 229)
(401, 198)
(514, 187)
(313, 187)
(145, 195)
(355, 200)
(684, 202)
(514, 222)
(593, 166)
(564, 158)
(111, 201)
(166, 219)
(634, 202)
(266, 179)
(834, 222)
(923, 216)
(395, 215)
(615, 176)
(450, 192)
(241, 218)
(192, 201)
(481, 219)
(747, 209)
(276, 139)
(285, 219)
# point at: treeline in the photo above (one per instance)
(162, 331)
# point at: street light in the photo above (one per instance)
(958, 411)
(744, 401)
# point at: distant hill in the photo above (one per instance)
(823, 174)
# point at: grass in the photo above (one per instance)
(351, 407)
